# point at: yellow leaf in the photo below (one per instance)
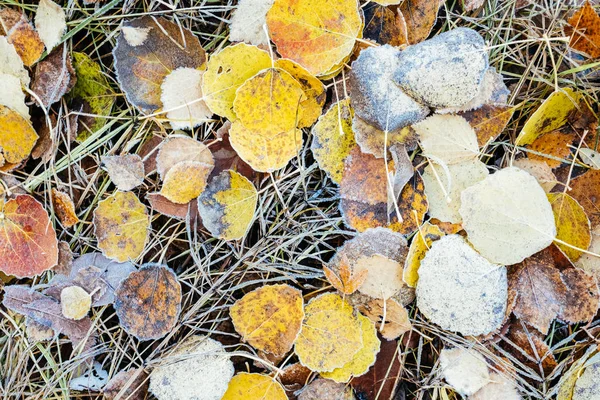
(17, 136)
(317, 34)
(178, 148)
(254, 387)
(419, 246)
(226, 71)
(572, 224)
(331, 334)
(75, 302)
(269, 318)
(362, 360)
(121, 225)
(227, 206)
(22, 35)
(333, 139)
(64, 208)
(551, 115)
(185, 181)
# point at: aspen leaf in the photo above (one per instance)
(582, 297)
(226, 71)
(148, 302)
(185, 181)
(126, 171)
(121, 225)
(54, 76)
(381, 25)
(418, 18)
(11, 63)
(50, 22)
(590, 157)
(12, 95)
(325, 389)
(390, 317)
(131, 384)
(551, 115)
(246, 24)
(179, 148)
(181, 97)
(317, 34)
(500, 387)
(507, 216)
(347, 282)
(585, 189)
(459, 290)
(227, 205)
(465, 370)
(362, 361)
(75, 302)
(17, 136)
(551, 148)
(572, 224)
(64, 208)
(421, 243)
(589, 262)
(148, 50)
(331, 334)
(162, 205)
(377, 142)
(488, 121)
(28, 244)
(21, 34)
(226, 157)
(269, 318)
(584, 30)
(333, 139)
(540, 170)
(254, 387)
(570, 377)
(530, 347)
(198, 369)
(383, 377)
(387, 2)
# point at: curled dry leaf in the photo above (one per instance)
(507, 216)
(21, 34)
(148, 50)
(64, 208)
(54, 76)
(584, 30)
(254, 387)
(460, 290)
(148, 302)
(17, 136)
(325, 389)
(121, 226)
(181, 97)
(28, 244)
(199, 368)
(572, 225)
(50, 22)
(131, 384)
(75, 302)
(126, 171)
(390, 317)
(269, 318)
(185, 181)
(464, 369)
(421, 243)
(246, 24)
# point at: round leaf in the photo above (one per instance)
(17, 136)
(254, 387)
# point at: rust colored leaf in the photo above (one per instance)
(528, 346)
(64, 208)
(391, 318)
(54, 76)
(347, 282)
(552, 147)
(148, 302)
(381, 25)
(419, 17)
(488, 121)
(381, 380)
(586, 190)
(131, 384)
(226, 157)
(581, 301)
(585, 31)
(166, 207)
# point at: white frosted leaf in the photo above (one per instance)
(448, 138)
(248, 20)
(50, 23)
(181, 96)
(465, 370)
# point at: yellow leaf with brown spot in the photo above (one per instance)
(227, 206)
(22, 35)
(269, 318)
(64, 208)
(421, 242)
(121, 226)
(254, 387)
(185, 181)
(317, 34)
(572, 224)
(17, 136)
(552, 148)
(551, 115)
(178, 148)
(333, 139)
(331, 334)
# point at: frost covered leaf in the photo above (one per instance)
(333, 139)
(226, 157)
(488, 121)
(226, 71)
(227, 205)
(317, 34)
(421, 243)
(390, 317)
(585, 30)
(17, 136)
(64, 208)
(582, 296)
(331, 334)
(376, 142)
(587, 387)
(387, 2)
(585, 189)
(162, 205)
(247, 22)
(148, 302)
(448, 138)
(254, 387)
(92, 380)
(185, 181)
(28, 244)
(500, 387)
(572, 224)
(445, 71)
(21, 34)
(418, 18)
(460, 290)
(50, 22)
(11, 63)
(374, 96)
(590, 157)
(199, 369)
(269, 318)
(121, 226)
(362, 361)
(443, 190)
(551, 115)
(148, 50)
(325, 389)
(54, 76)
(381, 25)
(131, 384)
(347, 282)
(179, 148)
(75, 302)
(181, 97)
(507, 216)
(12, 96)
(540, 170)
(465, 370)
(126, 171)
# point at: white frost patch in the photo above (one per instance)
(465, 370)
(11, 63)
(12, 96)
(135, 36)
(247, 22)
(50, 23)
(92, 380)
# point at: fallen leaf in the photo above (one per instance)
(28, 244)
(572, 224)
(246, 24)
(148, 50)
(181, 97)
(12, 96)
(17, 136)
(540, 170)
(75, 302)
(459, 290)
(390, 317)
(54, 76)
(21, 34)
(530, 348)
(331, 334)
(180, 148)
(464, 369)
(185, 181)
(569, 379)
(226, 157)
(471, 5)
(64, 208)
(418, 18)
(581, 298)
(121, 225)
(500, 387)
(590, 263)
(131, 384)
(11, 63)
(126, 171)
(421, 243)
(381, 25)
(227, 205)
(551, 148)
(507, 216)
(377, 142)
(162, 205)
(381, 381)
(327, 32)
(254, 387)
(347, 282)
(488, 121)
(148, 302)
(50, 22)
(65, 259)
(585, 189)
(584, 30)
(590, 157)
(325, 389)
(37, 332)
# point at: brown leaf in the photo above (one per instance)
(64, 208)
(226, 157)
(325, 389)
(126, 171)
(528, 346)
(396, 320)
(65, 259)
(347, 282)
(419, 17)
(131, 384)
(54, 76)
(582, 296)
(381, 25)
(166, 207)
(488, 121)
(45, 147)
(294, 377)
(552, 147)
(381, 380)
(585, 31)
(586, 190)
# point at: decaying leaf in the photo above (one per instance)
(185, 181)
(553, 148)
(582, 296)
(54, 76)
(226, 157)
(418, 18)
(589, 262)
(377, 142)
(181, 97)
(148, 50)
(50, 22)
(131, 384)
(530, 348)
(64, 208)
(269, 318)
(585, 189)
(21, 34)
(254, 387)
(390, 317)
(162, 205)
(347, 282)
(465, 370)
(507, 216)
(572, 224)
(126, 171)
(331, 334)
(227, 205)
(585, 30)
(148, 302)
(488, 121)
(421, 243)
(199, 368)
(75, 302)
(17, 136)
(459, 289)
(121, 225)
(28, 244)
(327, 32)
(540, 170)
(325, 389)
